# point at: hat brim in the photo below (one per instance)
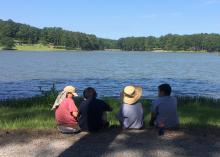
(135, 98)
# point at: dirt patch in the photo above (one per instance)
(112, 142)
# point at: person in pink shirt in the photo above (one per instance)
(66, 112)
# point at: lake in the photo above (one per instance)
(193, 74)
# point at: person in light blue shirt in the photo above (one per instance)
(131, 114)
(164, 109)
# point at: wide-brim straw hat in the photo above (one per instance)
(70, 89)
(131, 94)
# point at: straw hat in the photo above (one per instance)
(70, 89)
(131, 94)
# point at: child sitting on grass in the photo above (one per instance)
(131, 114)
(164, 109)
(66, 112)
(92, 112)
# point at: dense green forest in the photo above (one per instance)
(172, 42)
(12, 33)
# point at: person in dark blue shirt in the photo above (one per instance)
(92, 112)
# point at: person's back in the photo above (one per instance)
(95, 114)
(91, 112)
(66, 111)
(63, 113)
(131, 115)
(166, 108)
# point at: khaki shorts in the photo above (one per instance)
(68, 130)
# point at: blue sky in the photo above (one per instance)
(118, 18)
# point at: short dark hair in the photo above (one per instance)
(89, 92)
(165, 88)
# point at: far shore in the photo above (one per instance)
(40, 47)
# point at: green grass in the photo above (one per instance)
(36, 47)
(199, 111)
(36, 112)
(41, 47)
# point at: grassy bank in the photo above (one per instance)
(41, 47)
(36, 112)
(37, 47)
(180, 51)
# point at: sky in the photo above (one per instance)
(117, 18)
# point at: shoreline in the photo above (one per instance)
(48, 48)
(106, 50)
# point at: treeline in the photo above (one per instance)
(12, 33)
(172, 42)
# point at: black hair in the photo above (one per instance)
(89, 92)
(165, 88)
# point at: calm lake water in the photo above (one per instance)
(194, 74)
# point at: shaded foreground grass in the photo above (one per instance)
(35, 112)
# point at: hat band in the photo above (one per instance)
(128, 95)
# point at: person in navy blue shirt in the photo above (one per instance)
(92, 112)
